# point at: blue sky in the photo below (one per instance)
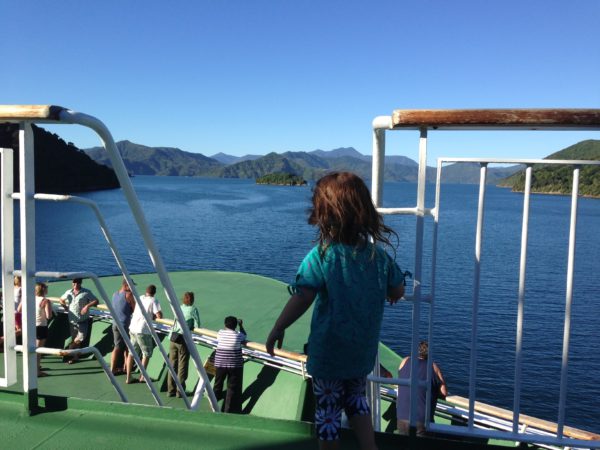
(255, 76)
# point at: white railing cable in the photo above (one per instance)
(564, 369)
(476, 286)
(68, 116)
(118, 323)
(121, 264)
(8, 266)
(521, 300)
(82, 351)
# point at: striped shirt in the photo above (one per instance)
(229, 348)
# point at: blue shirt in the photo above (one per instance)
(123, 309)
(352, 285)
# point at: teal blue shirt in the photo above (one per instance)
(352, 285)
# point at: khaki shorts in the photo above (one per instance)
(79, 330)
(142, 342)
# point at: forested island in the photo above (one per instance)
(552, 179)
(281, 179)
(60, 167)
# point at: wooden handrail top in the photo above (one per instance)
(523, 419)
(532, 119)
(213, 334)
(15, 113)
(250, 344)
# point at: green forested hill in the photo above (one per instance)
(143, 160)
(60, 167)
(551, 179)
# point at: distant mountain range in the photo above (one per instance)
(144, 160)
(552, 179)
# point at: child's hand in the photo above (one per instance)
(275, 336)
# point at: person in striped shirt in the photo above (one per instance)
(229, 364)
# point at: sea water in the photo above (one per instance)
(236, 225)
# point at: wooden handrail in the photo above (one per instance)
(534, 119)
(523, 419)
(30, 112)
(213, 334)
(250, 344)
(456, 400)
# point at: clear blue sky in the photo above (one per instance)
(255, 76)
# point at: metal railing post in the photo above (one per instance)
(27, 235)
(8, 266)
(476, 282)
(521, 300)
(564, 368)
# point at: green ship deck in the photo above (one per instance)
(79, 407)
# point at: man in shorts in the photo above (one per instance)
(78, 301)
(140, 332)
(123, 304)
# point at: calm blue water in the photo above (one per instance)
(239, 226)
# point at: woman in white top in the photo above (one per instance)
(43, 312)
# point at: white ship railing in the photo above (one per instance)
(25, 116)
(515, 119)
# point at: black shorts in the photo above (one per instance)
(41, 332)
(118, 340)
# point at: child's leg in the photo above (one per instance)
(329, 396)
(363, 428)
(358, 412)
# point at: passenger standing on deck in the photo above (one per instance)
(140, 332)
(438, 390)
(123, 304)
(78, 300)
(179, 354)
(18, 292)
(43, 313)
(229, 364)
(350, 276)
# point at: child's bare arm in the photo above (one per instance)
(394, 294)
(295, 307)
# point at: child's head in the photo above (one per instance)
(343, 211)
(423, 349)
(40, 289)
(231, 322)
(188, 298)
(151, 290)
(17, 280)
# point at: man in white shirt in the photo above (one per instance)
(140, 332)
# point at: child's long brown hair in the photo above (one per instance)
(343, 211)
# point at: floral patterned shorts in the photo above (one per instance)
(331, 397)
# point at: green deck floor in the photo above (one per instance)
(87, 412)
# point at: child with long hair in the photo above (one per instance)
(350, 276)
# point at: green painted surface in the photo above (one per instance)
(86, 400)
(256, 299)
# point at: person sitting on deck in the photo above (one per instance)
(140, 332)
(78, 301)
(123, 304)
(230, 364)
(438, 390)
(179, 355)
